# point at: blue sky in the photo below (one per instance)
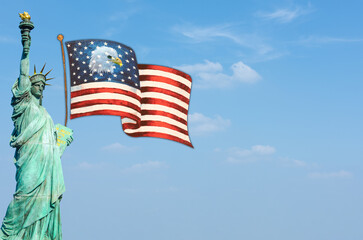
(275, 117)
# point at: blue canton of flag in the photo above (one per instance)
(99, 60)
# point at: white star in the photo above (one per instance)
(122, 72)
(119, 46)
(87, 57)
(133, 59)
(72, 64)
(109, 79)
(75, 49)
(105, 43)
(134, 67)
(78, 68)
(96, 78)
(84, 71)
(128, 69)
(68, 45)
(85, 48)
(120, 55)
(85, 80)
(74, 82)
(91, 74)
(71, 54)
(123, 80)
(79, 77)
(108, 70)
(84, 62)
(127, 61)
(135, 75)
(126, 53)
(100, 65)
(115, 75)
(74, 73)
(94, 61)
(79, 43)
(135, 84)
(81, 53)
(130, 50)
(92, 42)
(101, 74)
(129, 77)
(98, 56)
(77, 59)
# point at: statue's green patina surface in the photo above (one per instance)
(34, 212)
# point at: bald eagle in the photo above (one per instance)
(103, 60)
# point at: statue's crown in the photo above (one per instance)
(40, 77)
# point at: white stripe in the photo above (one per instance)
(146, 129)
(165, 109)
(173, 76)
(165, 86)
(105, 107)
(112, 96)
(165, 97)
(164, 119)
(105, 85)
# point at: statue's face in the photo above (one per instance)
(37, 89)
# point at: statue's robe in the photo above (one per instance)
(34, 213)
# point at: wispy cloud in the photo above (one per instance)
(124, 15)
(328, 175)
(318, 40)
(6, 39)
(293, 162)
(229, 32)
(118, 147)
(203, 125)
(285, 15)
(143, 167)
(210, 74)
(256, 152)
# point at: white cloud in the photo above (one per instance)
(201, 125)
(147, 166)
(285, 15)
(118, 147)
(326, 175)
(210, 74)
(256, 152)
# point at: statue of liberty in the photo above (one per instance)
(34, 213)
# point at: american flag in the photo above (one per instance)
(151, 100)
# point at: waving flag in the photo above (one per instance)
(106, 79)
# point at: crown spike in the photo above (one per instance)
(48, 84)
(35, 70)
(41, 71)
(48, 72)
(48, 79)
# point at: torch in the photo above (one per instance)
(26, 26)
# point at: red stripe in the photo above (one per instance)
(164, 103)
(87, 103)
(106, 112)
(104, 90)
(162, 113)
(156, 124)
(164, 80)
(167, 92)
(160, 135)
(165, 69)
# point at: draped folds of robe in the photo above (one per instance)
(33, 214)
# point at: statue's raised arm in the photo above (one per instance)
(26, 26)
